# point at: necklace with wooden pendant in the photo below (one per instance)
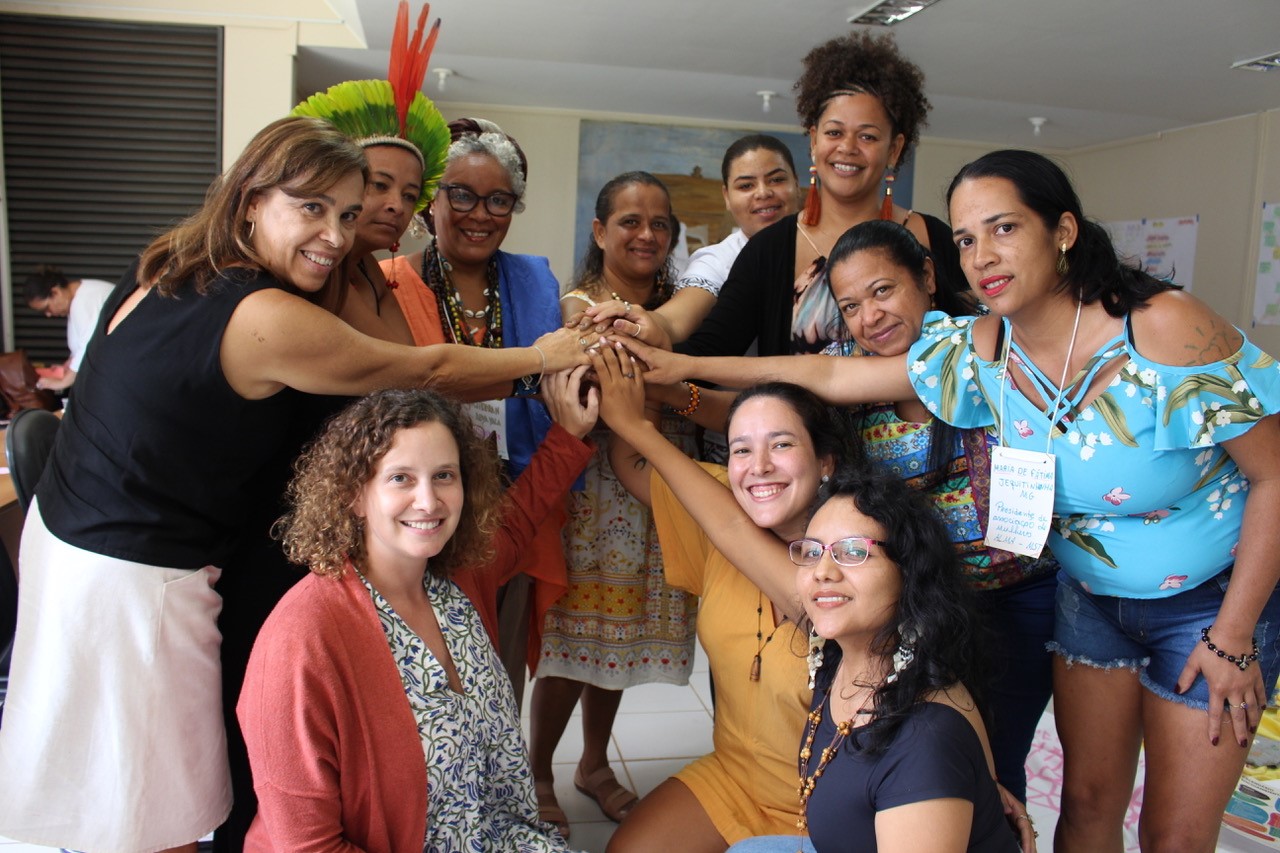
(761, 639)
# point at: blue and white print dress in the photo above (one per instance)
(479, 786)
(1147, 502)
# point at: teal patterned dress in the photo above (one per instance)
(1147, 502)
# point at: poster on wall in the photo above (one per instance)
(1266, 300)
(1163, 247)
(687, 160)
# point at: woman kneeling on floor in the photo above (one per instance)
(398, 492)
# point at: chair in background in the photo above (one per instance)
(27, 446)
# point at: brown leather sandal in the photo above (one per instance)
(549, 810)
(603, 787)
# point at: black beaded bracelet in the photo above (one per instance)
(1241, 663)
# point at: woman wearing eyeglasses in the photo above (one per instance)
(714, 524)
(463, 289)
(894, 755)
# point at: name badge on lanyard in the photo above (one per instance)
(490, 418)
(1021, 500)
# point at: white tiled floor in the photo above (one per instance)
(660, 728)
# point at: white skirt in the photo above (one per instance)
(112, 736)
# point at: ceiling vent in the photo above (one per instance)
(1270, 62)
(889, 12)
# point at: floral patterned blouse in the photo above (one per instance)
(1146, 500)
(902, 448)
(479, 786)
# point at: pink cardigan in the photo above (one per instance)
(337, 762)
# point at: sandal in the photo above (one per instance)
(603, 787)
(549, 810)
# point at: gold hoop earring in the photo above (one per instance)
(1063, 266)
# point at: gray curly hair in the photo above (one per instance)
(493, 142)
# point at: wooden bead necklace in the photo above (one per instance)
(809, 782)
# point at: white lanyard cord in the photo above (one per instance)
(1057, 401)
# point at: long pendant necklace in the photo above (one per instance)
(761, 639)
(454, 315)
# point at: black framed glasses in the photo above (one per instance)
(849, 551)
(463, 200)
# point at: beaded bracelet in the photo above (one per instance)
(695, 399)
(1242, 662)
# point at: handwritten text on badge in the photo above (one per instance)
(1022, 484)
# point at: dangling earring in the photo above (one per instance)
(250, 235)
(1063, 266)
(886, 208)
(905, 654)
(815, 655)
(812, 201)
(392, 283)
(418, 225)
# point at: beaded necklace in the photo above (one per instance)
(453, 313)
(809, 782)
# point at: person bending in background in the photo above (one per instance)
(80, 300)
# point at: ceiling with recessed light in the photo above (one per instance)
(1097, 70)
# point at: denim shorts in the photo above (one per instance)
(1154, 636)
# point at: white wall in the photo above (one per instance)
(1221, 171)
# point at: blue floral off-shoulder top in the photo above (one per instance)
(1146, 501)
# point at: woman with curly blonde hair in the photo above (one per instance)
(385, 654)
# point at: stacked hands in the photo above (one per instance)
(641, 341)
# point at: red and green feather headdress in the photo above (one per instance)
(393, 111)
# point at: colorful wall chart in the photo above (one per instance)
(1163, 247)
(1266, 300)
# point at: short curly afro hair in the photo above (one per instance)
(861, 62)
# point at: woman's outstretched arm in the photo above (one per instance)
(756, 552)
(839, 381)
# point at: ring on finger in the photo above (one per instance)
(582, 342)
(626, 307)
(631, 375)
(1243, 706)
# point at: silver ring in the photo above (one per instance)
(582, 342)
(1243, 706)
(628, 376)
